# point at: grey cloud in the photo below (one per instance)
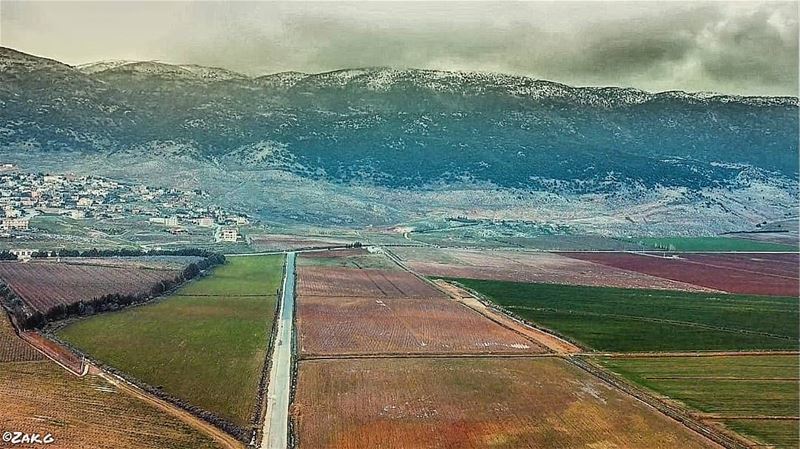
(735, 47)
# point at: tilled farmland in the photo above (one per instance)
(530, 267)
(472, 403)
(756, 274)
(44, 285)
(399, 363)
(361, 326)
(354, 282)
(12, 347)
(86, 413)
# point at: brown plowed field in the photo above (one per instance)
(13, 348)
(472, 403)
(44, 285)
(350, 282)
(348, 258)
(346, 326)
(55, 351)
(529, 267)
(86, 412)
(755, 274)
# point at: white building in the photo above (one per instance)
(20, 224)
(171, 221)
(22, 254)
(205, 222)
(227, 235)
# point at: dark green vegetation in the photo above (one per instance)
(205, 344)
(617, 319)
(711, 244)
(736, 390)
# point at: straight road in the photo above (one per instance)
(276, 421)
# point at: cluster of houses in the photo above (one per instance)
(24, 195)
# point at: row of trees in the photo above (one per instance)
(27, 318)
(122, 252)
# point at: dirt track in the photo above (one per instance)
(550, 341)
(224, 440)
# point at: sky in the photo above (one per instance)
(741, 47)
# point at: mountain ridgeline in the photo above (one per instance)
(399, 128)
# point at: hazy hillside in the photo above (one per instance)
(423, 132)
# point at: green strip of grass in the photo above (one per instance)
(784, 434)
(206, 350)
(711, 244)
(728, 386)
(617, 319)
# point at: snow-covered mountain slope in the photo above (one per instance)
(410, 130)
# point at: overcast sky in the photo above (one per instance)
(731, 47)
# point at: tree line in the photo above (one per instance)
(28, 318)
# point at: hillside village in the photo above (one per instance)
(25, 195)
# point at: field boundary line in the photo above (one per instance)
(572, 346)
(502, 311)
(23, 335)
(634, 355)
(655, 320)
(719, 416)
(422, 355)
(219, 423)
(84, 368)
(668, 409)
(487, 311)
(220, 436)
(737, 269)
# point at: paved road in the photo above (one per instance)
(276, 422)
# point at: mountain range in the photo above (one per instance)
(382, 146)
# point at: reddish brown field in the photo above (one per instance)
(348, 326)
(348, 258)
(472, 403)
(756, 274)
(350, 282)
(12, 347)
(55, 351)
(44, 285)
(86, 412)
(529, 267)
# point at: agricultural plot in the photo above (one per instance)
(205, 345)
(520, 266)
(474, 403)
(88, 412)
(12, 347)
(348, 258)
(755, 274)
(614, 319)
(152, 262)
(44, 285)
(712, 244)
(283, 242)
(343, 326)
(354, 282)
(757, 396)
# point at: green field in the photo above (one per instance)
(206, 344)
(735, 386)
(711, 244)
(617, 319)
